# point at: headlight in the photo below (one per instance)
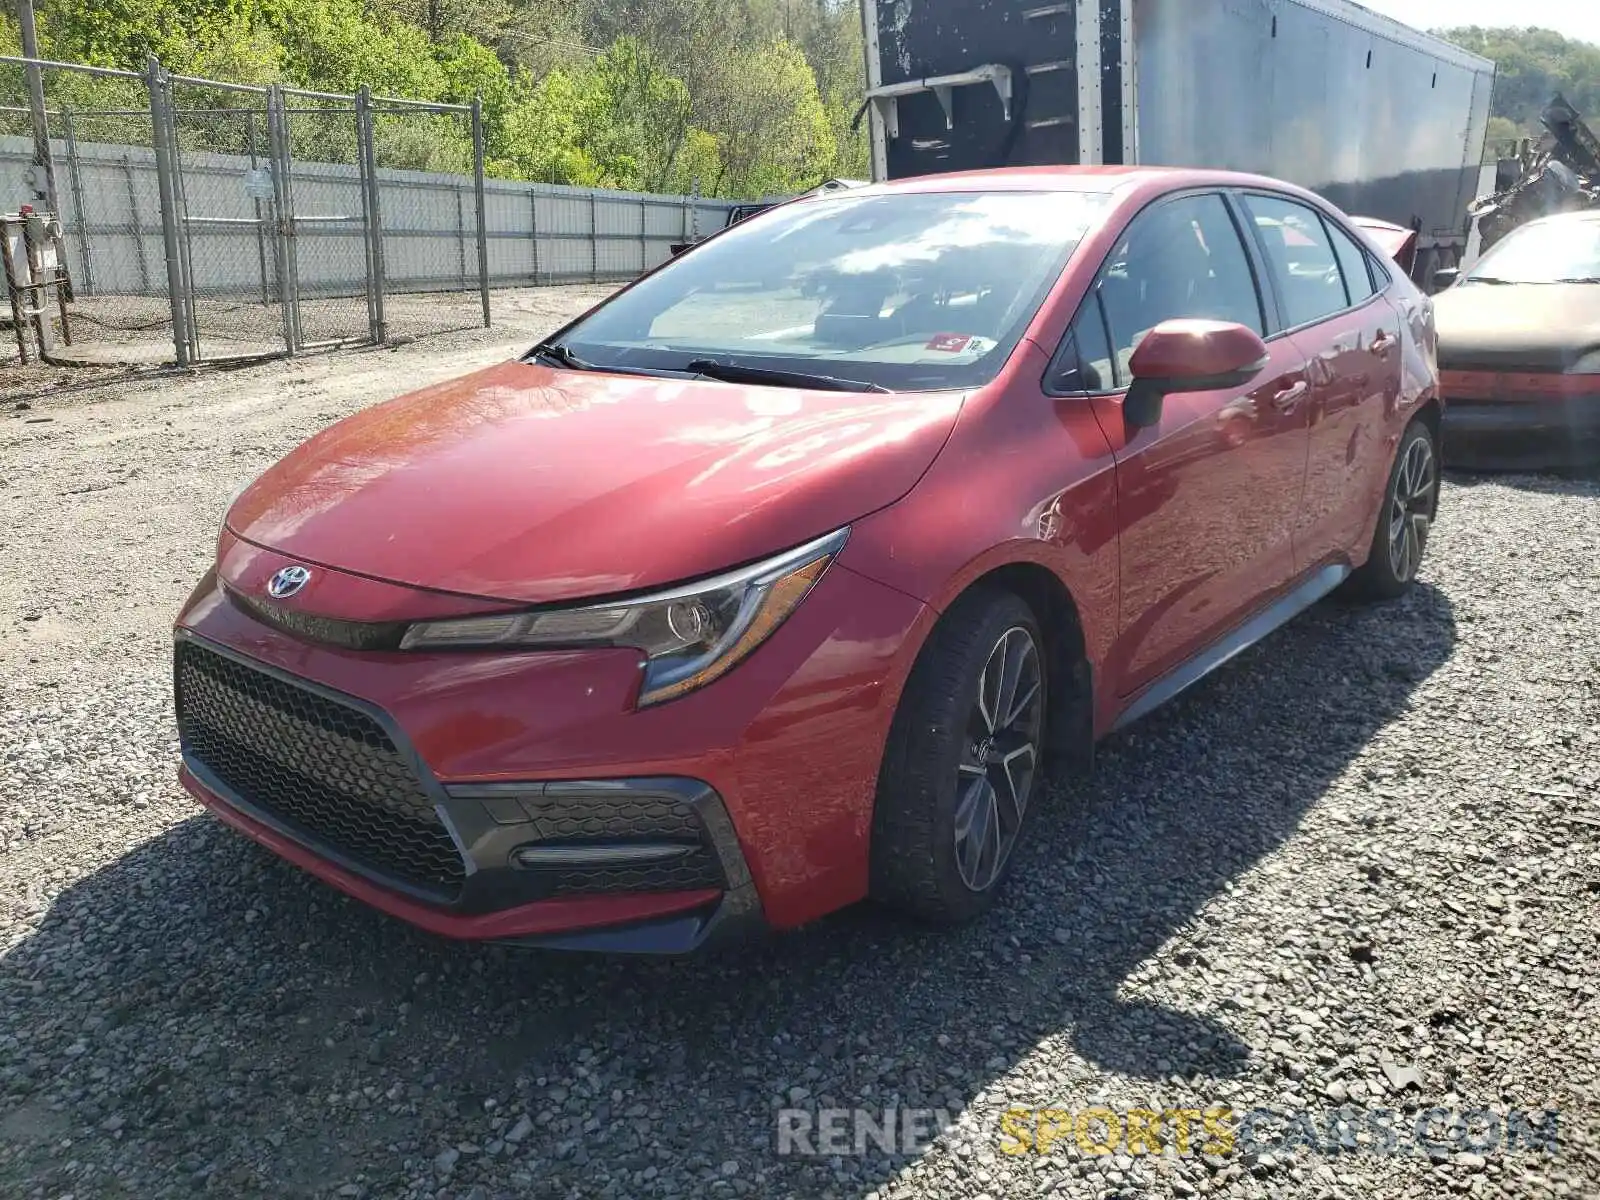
(689, 636)
(1589, 364)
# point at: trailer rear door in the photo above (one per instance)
(960, 85)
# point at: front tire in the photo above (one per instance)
(1410, 501)
(963, 762)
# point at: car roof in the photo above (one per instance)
(1139, 182)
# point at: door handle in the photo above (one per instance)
(1382, 342)
(1289, 398)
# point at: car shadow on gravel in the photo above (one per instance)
(237, 1018)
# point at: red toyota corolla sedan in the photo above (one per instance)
(779, 580)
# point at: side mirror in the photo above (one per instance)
(1444, 277)
(1189, 355)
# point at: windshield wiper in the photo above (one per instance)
(1488, 279)
(733, 373)
(562, 356)
(1580, 279)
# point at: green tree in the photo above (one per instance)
(482, 20)
(121, 33)
(748, 97)
(698, 164)
(1503, 132)
(1531, 66)
(773, 131)
(469, 68)
(648, 110)
(548, 134)
(331, 45)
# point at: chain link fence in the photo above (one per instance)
(232, 265)
(326, 190)
(212, 221)
(101, 134)
(430, 217)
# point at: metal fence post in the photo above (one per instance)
(533, 230)
(477, 188)
(366, 156)
(594, 238)
(75, 177)
(461, 238)
(644, 235)
(160, 124)
(261, 239)
(283, 215)
(43, 161)
(185, 226)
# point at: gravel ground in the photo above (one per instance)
(1359, 866)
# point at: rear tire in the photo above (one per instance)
(963, 763)
(1410, 501)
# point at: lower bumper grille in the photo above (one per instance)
(590, 817)
(323, 768)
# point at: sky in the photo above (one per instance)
(1575, 18)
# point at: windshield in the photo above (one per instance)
(909, 291)
(1547, 253)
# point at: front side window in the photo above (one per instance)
(1085, 363)
(1300, 257)
(909, 290)
(1557, 252)
(1182, 258)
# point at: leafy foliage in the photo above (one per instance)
(1532, 65)
(738, 97)
(742, 97)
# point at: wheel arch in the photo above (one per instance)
(1431, 413)
(1070, 738)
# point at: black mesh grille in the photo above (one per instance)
(321, 767)
(613, 817)
(557, 817)
(687, 874)
(621, 817)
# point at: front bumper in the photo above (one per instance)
(1525, 421)
(445, 766)
(321, 787)
(1525, 436)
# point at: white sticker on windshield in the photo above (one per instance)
(959, 343)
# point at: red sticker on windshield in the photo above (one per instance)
(950, 343)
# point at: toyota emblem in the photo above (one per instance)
(287, 582)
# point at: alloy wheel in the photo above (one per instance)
(1000, 756)
(1411, 509)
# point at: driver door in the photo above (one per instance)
(1208, 498)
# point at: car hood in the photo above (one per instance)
(526, 483)
(1517, 326)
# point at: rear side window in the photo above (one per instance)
(1352, 264)
(1301, 258)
